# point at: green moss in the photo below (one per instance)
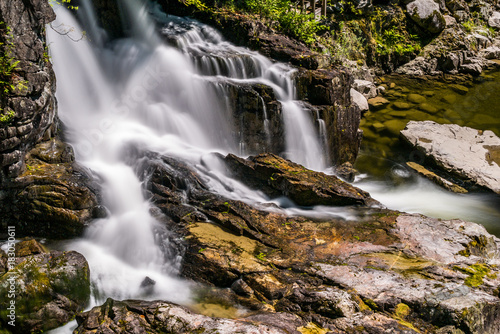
(402, 311)
(477, 272)
(371, 304)
(7, 117)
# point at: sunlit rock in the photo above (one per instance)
(467, 153)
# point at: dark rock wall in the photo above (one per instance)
(43, 192)
(34, 107)
(328, 91)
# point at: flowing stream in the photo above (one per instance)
(140, 94)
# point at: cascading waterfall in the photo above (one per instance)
(215, 58)
(140, 94)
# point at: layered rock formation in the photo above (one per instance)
(32, 102)
(44, 193)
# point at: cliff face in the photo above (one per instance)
(32, 103)
(42, 191)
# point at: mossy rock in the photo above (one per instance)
(50, 289)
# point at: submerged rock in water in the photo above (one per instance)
(49, 288)
(448, 185)
(277, 177)
(467, 153)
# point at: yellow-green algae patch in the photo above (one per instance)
(397, 261)
(312, 328)
(240, 249)
(401, 312)
(477, 272)
(216, 310)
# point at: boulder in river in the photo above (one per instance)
(276, 177)
(467, 153)
(49, 288)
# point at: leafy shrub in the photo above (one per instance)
(7, 63)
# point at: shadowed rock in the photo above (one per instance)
(133, 316)
(50, 288)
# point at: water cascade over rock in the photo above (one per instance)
(163, 120)
(139, 95)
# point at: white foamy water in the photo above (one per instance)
(139, 94)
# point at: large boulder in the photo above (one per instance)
(277, 177)
(359, 100)
(54, 197)
(494, 20)
(426, 14)
(47, 289)
(467, 153)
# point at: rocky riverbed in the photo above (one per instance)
(319, 255)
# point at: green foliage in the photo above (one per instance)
(281, 14)
(348, 8)
(290, 20)
(301, 26)
(196, 3)
(397, 41)
(7, 117)
(391, 34)
(348, 43)
(469, 25)
(64, 3)
(7, 63)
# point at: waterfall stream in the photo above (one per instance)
(140, 94)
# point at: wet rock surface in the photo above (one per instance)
(50, 287)
(277, 177)
(384, 270)
(257, 117)
(32, 103)
(54, 197)
(467, 153)
(448, 185)
(328, 91)
(133, 316)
